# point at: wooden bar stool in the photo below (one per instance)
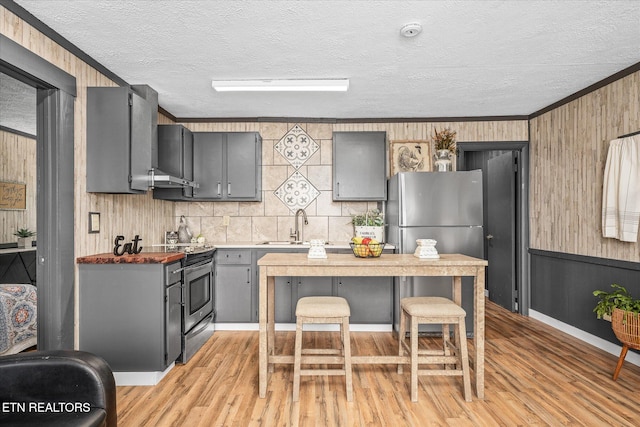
(434, 310)
(331, 310)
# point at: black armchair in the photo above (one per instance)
(56, 388)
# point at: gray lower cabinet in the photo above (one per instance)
(313, 286)
(237, 279)
(359, 166)
(173, 321)
(130, 314)
(370, 298)
(235, 287)
(285, 310)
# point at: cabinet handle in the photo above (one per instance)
(219, 188)
(229, 188)
(337, 189)
(248, 275)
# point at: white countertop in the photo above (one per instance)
(14, 250)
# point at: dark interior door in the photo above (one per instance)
(501, 227)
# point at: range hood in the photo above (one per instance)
(159, 179)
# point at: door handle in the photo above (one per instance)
(489, 237)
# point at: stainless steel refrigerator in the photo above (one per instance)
(446, 207)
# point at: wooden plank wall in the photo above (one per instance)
(18, 164)
(330, 220)
(568, 154)
(126, 215)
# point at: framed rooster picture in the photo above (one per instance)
(409, 156)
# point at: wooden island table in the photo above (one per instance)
(456, 266)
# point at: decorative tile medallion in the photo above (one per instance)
(296, 192)
(296, 146)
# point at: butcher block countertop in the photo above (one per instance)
(141, 258)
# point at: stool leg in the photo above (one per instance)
(446, 337)
(623, 354)
(346, 347)
(414, 359)
(297, 361)
(460, 333)
(401, 338)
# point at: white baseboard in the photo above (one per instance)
(141, 378)
(595, 341)
(292, 327)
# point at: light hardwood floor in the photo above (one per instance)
(535, 375)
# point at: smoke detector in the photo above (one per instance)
(411, 30)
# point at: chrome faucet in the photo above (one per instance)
(296, 234)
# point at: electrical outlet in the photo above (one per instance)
(225, 220)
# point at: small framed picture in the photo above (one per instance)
(94, 222)
(409, 156)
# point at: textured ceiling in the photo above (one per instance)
(473, 58)
(17, 105)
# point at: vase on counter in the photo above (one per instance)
(316, 249)
(426, 249)
(184, 234)
(442, 161)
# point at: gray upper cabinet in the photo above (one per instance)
(359, 166)
(227, 166)
(175, 157)
(119, 140)
(207, 164)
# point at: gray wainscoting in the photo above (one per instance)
(562, 287)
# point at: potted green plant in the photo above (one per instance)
(619, 297)
(25, 237)
(369, 224)
(623, 311)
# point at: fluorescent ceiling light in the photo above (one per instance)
(301, 85)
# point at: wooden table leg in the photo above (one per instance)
(263, 345)
(271, 319)
(457, 290)
(478, 328)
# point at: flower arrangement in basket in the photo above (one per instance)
(369, 224)
(624, 312)
(444, 140)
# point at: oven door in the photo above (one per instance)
(197, 293)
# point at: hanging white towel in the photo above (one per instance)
(621, 190)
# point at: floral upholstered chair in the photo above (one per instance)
(18, 318)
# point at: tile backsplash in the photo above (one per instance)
(296, 173)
